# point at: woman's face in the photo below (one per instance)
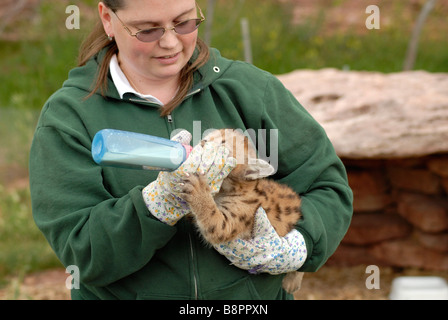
(162, 59)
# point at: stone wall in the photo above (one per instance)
(401, 213)
(391, 131)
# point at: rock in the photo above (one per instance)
(417, 180)
(439, 165)
(375, 115)
(367, 182)
(369, 190)
(445, 185)
(408, 253)
(347, 255)
(371, 202)
(437, 241)
(427, 213)
(370, 228)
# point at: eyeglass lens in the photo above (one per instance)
(154, 34)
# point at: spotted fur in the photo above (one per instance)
(230, 213)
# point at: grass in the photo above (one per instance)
(280, 47)
(23, 248)
(37, 64)
(34, 68)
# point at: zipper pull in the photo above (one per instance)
(170, 118)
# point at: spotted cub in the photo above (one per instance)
(230, 213)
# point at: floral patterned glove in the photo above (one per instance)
(266, 252)
(160, 195)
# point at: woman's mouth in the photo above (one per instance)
(169, 59)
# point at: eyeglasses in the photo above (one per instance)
(156, 33)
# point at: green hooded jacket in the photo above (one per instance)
(95, 218)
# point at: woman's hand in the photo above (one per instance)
(266, 252)
(211, 159)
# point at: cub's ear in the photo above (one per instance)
(258, 169)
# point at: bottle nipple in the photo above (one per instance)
(188, 149)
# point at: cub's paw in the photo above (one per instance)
(194, 187)
(292, 281)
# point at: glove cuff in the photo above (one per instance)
(273, 256)
(165, 207)
(289, 256)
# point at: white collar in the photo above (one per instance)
(122, 84)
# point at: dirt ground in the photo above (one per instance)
(329, 283)
(45, 285)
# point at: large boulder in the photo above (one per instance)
(376, 115)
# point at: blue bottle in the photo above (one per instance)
(123, 149)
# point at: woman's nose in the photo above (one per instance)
(169, 39)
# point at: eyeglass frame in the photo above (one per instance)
(173, 28)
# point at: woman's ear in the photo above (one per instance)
(106, 19)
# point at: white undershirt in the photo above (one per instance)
(122, 83)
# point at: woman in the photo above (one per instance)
(143, 69)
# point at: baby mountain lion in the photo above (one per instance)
(230, 213)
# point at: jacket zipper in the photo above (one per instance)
(170, 116)
(144, 101)
(170, 123)
(193, 92)
(195, 280)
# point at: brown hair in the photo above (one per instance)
(97, 40)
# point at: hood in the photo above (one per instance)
(83, 77)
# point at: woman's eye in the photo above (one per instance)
(150, 31)
(181, 23)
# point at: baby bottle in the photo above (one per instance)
(132, 150)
